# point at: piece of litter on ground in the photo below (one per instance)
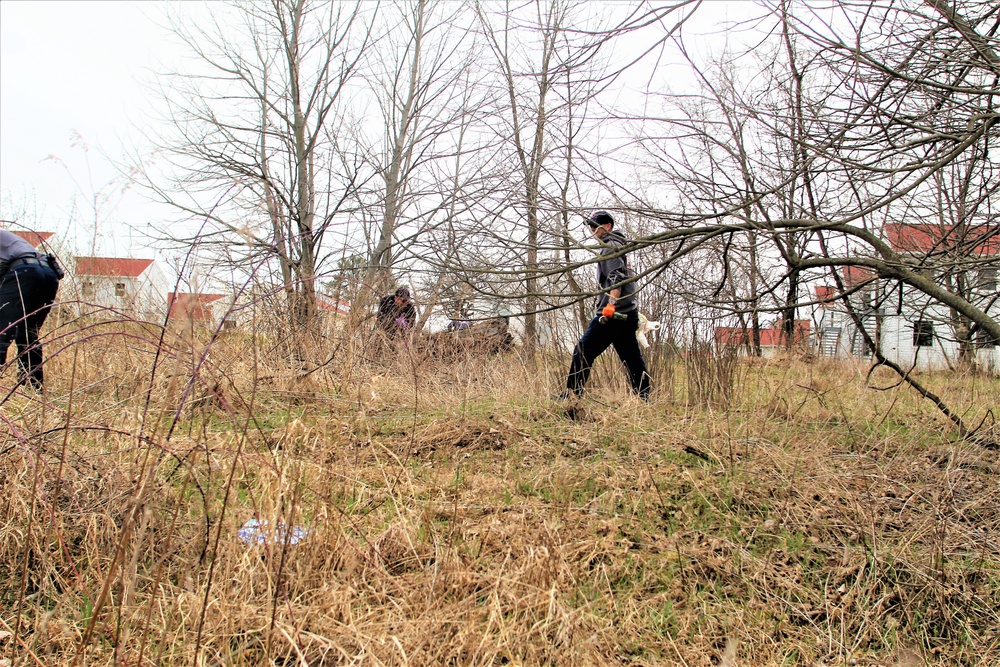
(259, 532)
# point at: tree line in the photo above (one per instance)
(454, 146)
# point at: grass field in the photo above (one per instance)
(782, 512)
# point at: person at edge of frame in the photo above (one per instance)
(617, 318)
(28, 285)
(396, 314)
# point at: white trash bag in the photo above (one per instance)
(260, 533)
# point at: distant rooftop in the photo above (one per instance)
(111, 266)
(34, 238)
(769, 337)
(922, 237)
(855, 275)
(825, 293)
(192, 306)
(330, 304)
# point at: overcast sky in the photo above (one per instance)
(67, 69)
(73, 73)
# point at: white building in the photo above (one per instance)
(125, 286)
(912, 329)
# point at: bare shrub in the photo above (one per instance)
(712, 374)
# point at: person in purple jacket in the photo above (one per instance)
(396, 314)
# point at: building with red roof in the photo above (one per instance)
(909, 327)
(919, 332)
(132, 287)
(837, 333)
(772, 339)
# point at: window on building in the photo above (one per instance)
(923, 333)
(87, 290)
(985, 340)
(119, 289)
(987, 281)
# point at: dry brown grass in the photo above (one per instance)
(457, 516)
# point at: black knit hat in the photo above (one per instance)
(599, 218)
(403, 293)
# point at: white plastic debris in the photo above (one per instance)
(260, 533)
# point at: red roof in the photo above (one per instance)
(111, 266)
(925, 237)
(824, 293)
(770, 337)
(855, 275)
(34, 238)
(191, 306)
(332, 305)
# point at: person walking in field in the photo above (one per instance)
(617, 318)
(28, 285)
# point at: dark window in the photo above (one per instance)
(984, 339)
(923, 333)
(88, 290)
(987, 281)
(119, 289)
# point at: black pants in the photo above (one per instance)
(26, 295)
(596, 339)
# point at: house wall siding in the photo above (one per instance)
(99, 292)
(898, 347)
(142, 297)
(838, 336)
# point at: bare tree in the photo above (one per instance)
(545, 63)
(869, 141)
(413, 74)
(959, 246)
(884, 118)
(252, 162)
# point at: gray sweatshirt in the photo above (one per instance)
(13, 246)
(614, 270)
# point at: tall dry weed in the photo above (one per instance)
(712, 374)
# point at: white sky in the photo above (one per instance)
(77, 68)
(66, 68)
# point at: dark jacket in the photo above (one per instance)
(389, 312)
(613, 271)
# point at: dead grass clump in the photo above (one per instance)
(874, 552)
(397, 552)
(464, 434)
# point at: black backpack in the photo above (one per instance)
(53, 263)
